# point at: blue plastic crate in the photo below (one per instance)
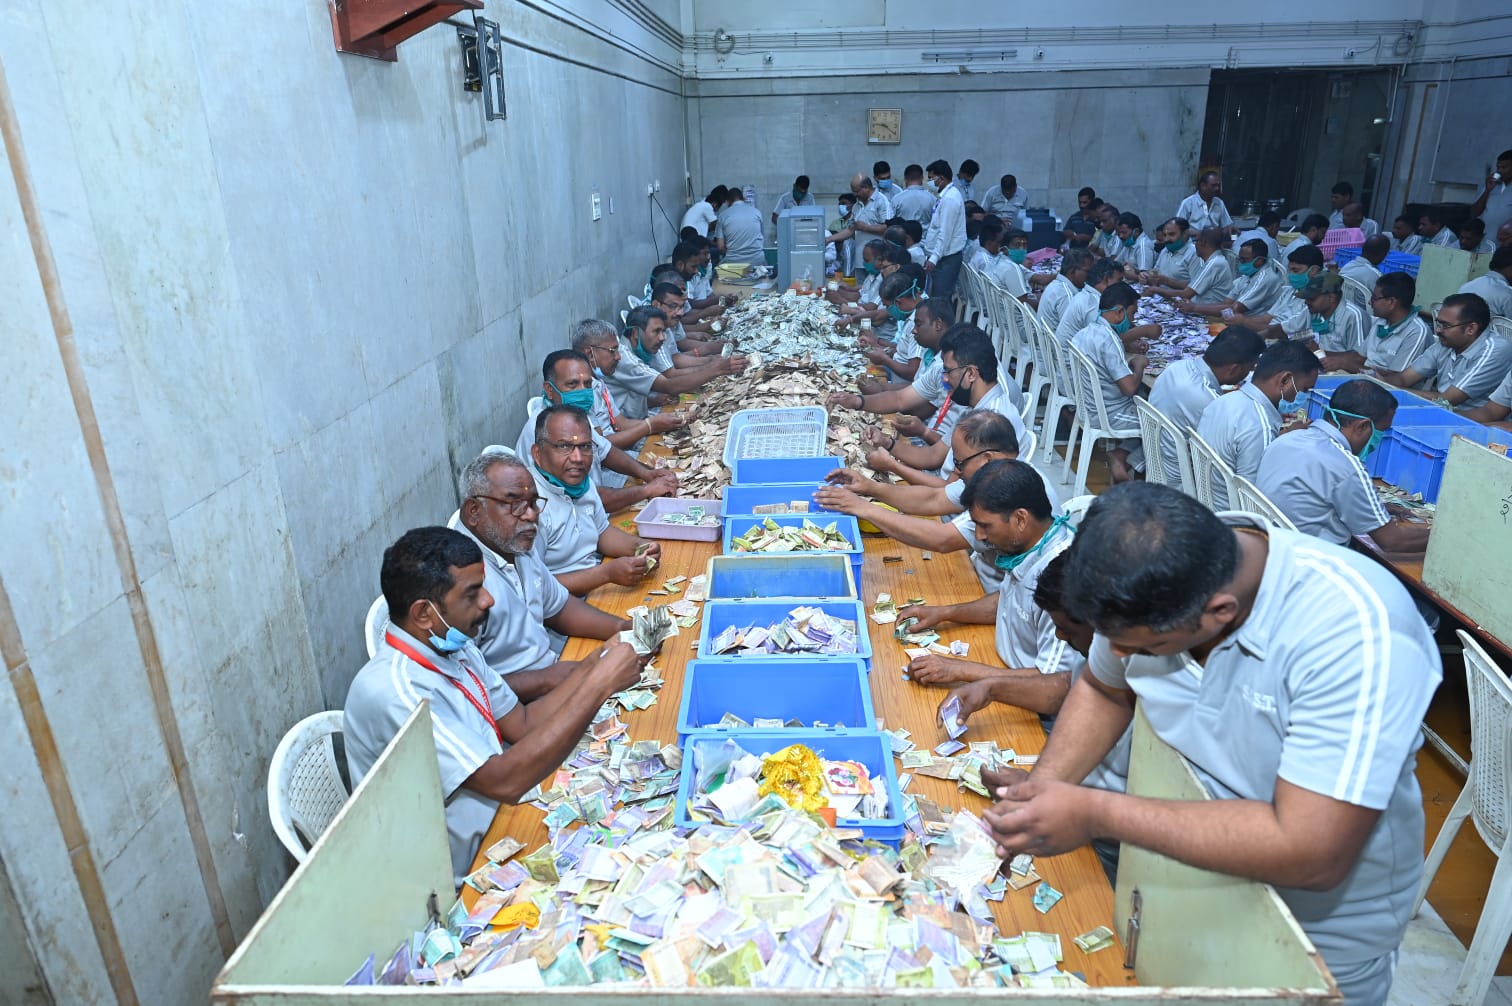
(1322, 394)
(847, 525)
(720, 615)
(1417, 457)
(765, 471)
(741, 499)
(784, 574)
(1394, 261)
(833, 691)
(870, 749)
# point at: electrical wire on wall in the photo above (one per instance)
(657, 202)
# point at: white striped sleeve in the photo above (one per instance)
(1357, 690)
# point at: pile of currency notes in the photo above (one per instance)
(806, 629)
(731, 785)
(770, 536)
(696, 515)
(782, 901)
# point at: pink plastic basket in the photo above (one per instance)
(649, 523)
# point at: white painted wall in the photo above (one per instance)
(307, 287)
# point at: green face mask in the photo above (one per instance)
(573, 492)
(1320, 325)
(1008, 563)
(929, 357)
(1125, 325)
(1128, 242)
(1248, 268)
(1298, 280)
(645, 355)
(871, 268)
(1176, 245)
(578, 398)
(1375, 433)
(1018, 254)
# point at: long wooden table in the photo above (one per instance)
(1088, 900)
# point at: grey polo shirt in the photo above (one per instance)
(744, 236)
(1080, 311)
(1476, 371)
(1315, 478)
(1346, 329)
(1290, 313)
(1361, 271)
(1005, 398)
(1445, 238)
(1324, 685)
(1503, 394)
(1200, 214)
(1140, 256)
(1052, 303)
(570, 528)
(915, 203)
(1025, 634)
(631, 383)
(526, 438)
(1258, 292)
(1412, 244)
(983, 554)
(929, 383)
(1239, 426)
(391, 686)
(1494, 290)
(515, 638)
(1400, 346)
(1106, 351)
(1498, 208)
(1212, 280)
(1181, 393)
(1177, 265)
(1007, 274)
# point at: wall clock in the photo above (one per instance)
(884, 125)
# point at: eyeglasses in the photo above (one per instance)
(518, 507)
(567, 447)
(952, 370)
(1439, 326)
(1379, 297)
(611, 350)
(962, 462)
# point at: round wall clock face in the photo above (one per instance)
(884, 125)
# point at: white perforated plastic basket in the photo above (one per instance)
(776, 433)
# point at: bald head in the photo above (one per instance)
(1375, 249)
(1353, 214)
(861, 186)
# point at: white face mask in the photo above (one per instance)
(933, 187)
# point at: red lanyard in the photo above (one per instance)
(604, 394)
(485, 706)
(941, 417)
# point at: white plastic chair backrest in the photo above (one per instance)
(1502, 325)
(1208, 465)
(1490, 743)
(372, 629)
(1090, 387)
(1061, 373)
(1356, 291)
(634, 301)
(1248, 498)
(305, 789)
(1076, 507)
(1163, 439)
(1000, 310)
(624, 317)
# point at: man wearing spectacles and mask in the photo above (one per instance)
(1317, 478)
(575, 529)
(501, 512)
(1469, 361)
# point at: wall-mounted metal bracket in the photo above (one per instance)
(483, 64)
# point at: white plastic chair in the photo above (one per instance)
(1248, 498)
(1076, 507)
(305, 790)
(1209, 473)
(634, 301)
(372, 629)
(1023, 320)
(1062, 389)
(1356, 291)
(1164, 440)
(1503, 325)
(1486, 800)
(1092, 423)
(624, 317)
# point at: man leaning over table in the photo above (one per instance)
(492, 748)
(533, 614)
(1293, 674)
